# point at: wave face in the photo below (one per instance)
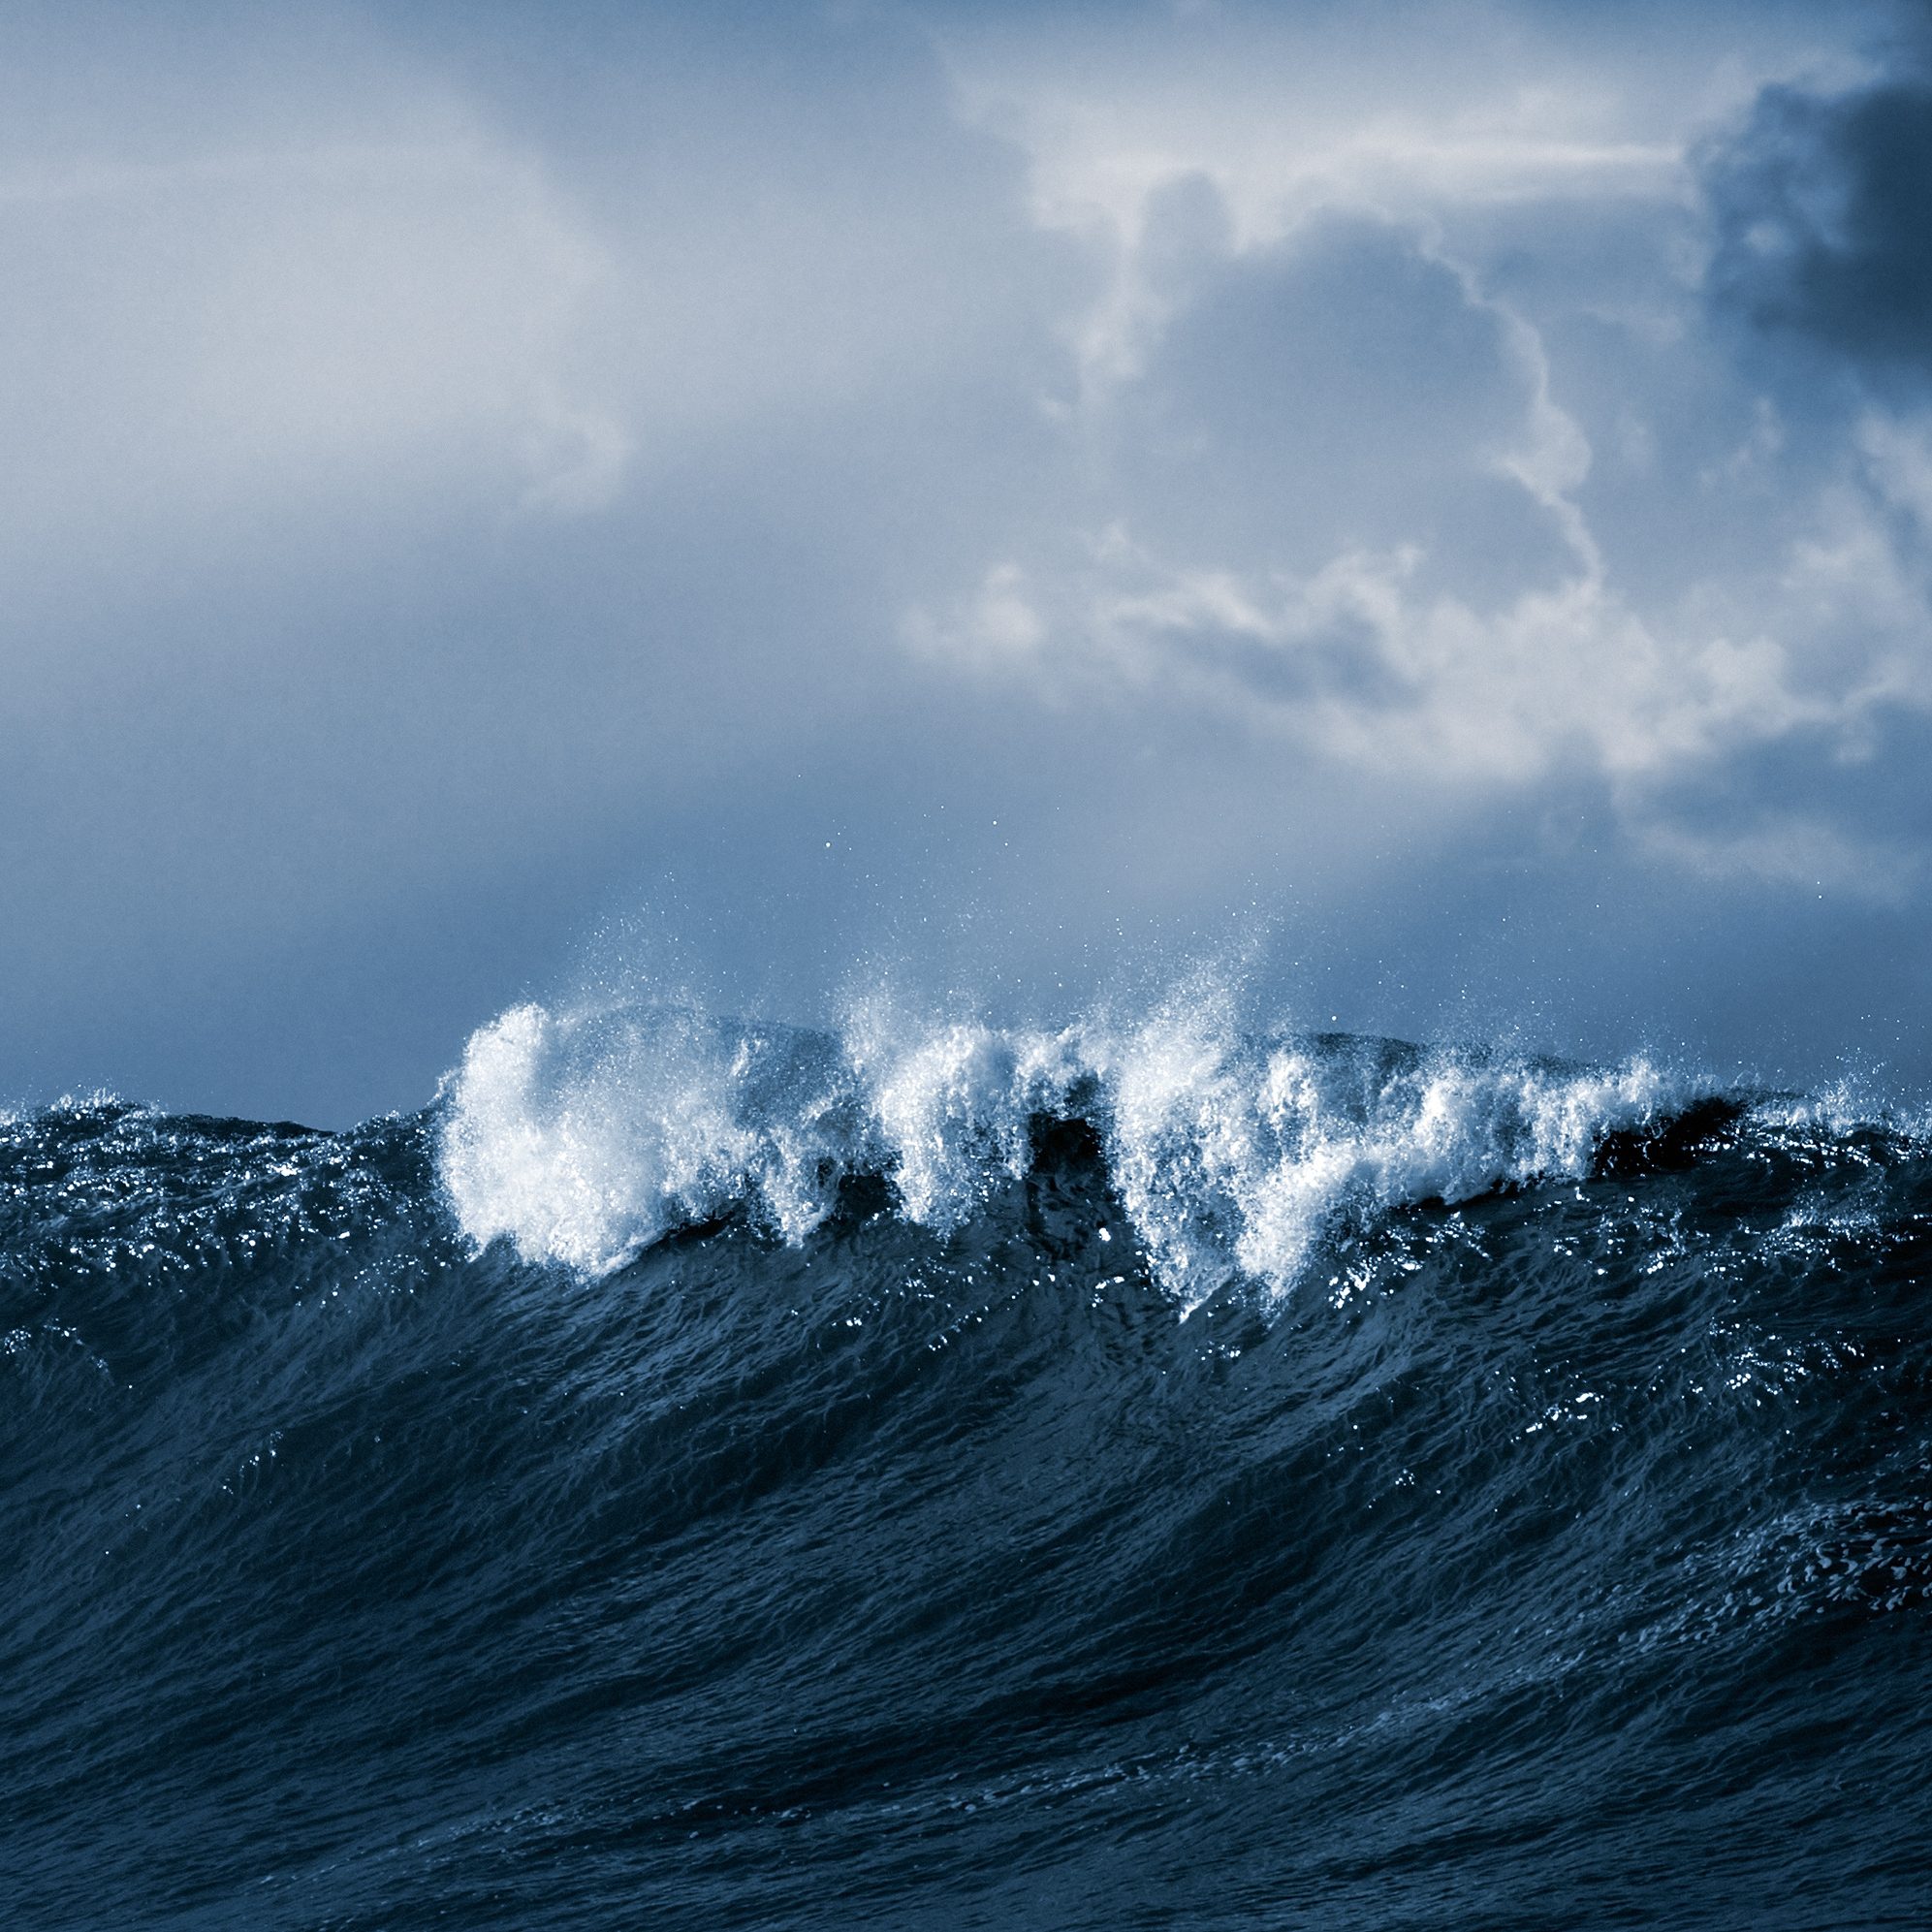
(699, 1475)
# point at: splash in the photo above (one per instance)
(582, 1136)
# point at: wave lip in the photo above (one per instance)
(582, 1137)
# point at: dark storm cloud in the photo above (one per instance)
(1824, 214)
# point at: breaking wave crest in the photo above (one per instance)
(583, 1136)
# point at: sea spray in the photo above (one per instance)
(583, 1136)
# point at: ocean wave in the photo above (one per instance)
(886, 1518)
(580, 1136)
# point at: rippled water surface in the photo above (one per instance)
(713, 1477)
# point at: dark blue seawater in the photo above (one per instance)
(969, 1481)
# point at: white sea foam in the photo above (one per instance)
(582, 1136)
(1227, 1150)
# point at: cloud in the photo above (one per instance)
(1820, 203)
(1338, 496)
(1442, 475)
(1354, 667)
(1336, 391)
(451, 469)
(1062, 467)
(189, 345)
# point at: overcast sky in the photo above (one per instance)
(1437, 498)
